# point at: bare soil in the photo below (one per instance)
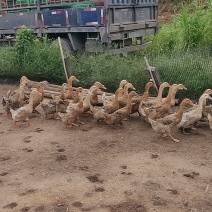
(100, 168)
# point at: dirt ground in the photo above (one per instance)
(102, 168)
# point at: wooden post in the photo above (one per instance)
(63, 59)
(152, 71)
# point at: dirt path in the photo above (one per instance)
(102, 168)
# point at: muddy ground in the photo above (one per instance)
(102, 168)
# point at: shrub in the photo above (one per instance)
(191, 28)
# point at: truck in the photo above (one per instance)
(107, 26)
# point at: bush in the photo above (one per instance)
(36, 59)
(191, 28)
(110, 70)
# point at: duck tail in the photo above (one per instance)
(8, 93)
(3, 101)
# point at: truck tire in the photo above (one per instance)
(67, 48)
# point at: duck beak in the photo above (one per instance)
(133, 88)
(182, 87)
(103, 87)
(76, 80)
(191, 103)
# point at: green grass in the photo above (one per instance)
(191, 28)
(191, 68)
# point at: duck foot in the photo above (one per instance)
(193, 128)
(87, 113)
(70, 125)
(185, 133)
(173, 139)
(55, 116)
(15, 124)
(9, 116)
(29, 124)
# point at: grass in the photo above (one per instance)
(191, 68)
(191, 28)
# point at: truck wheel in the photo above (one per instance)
(67, 48)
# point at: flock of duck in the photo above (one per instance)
(114, 109)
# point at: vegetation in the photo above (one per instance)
(181, 51)
(192, 28)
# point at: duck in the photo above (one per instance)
(38, 94)
(69, 94)
(158, 110)
(66, 92)
(175, 118)
(118, 116)
(174, 91)
(77, 95)
(22, 113)
(210, 120)
(124, 98)
(136, 101)
(86, 101)
(73, 104)
(153, 101)
(71, 79)
(206, 109)
(49, 109)
(207, 91)
(24, 80)
(18, 97)
(99, 112)
(61, 105)
(72, 113)
(190, 118)
(94, 96)
(113, 106)
(108, 99)
(6, 103)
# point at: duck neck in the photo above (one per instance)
(76, 97)
(146, 94)
(31, 100)
(116, 96)
(21, 89)
(201, 104)
(70, 82)
(121, 84)
(126, 88)
(204, 105)
(169, 96)
(63, 92)
(129, 105)
(180, 111)
(160, 93)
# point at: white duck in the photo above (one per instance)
(190, 118)
(22, 113)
